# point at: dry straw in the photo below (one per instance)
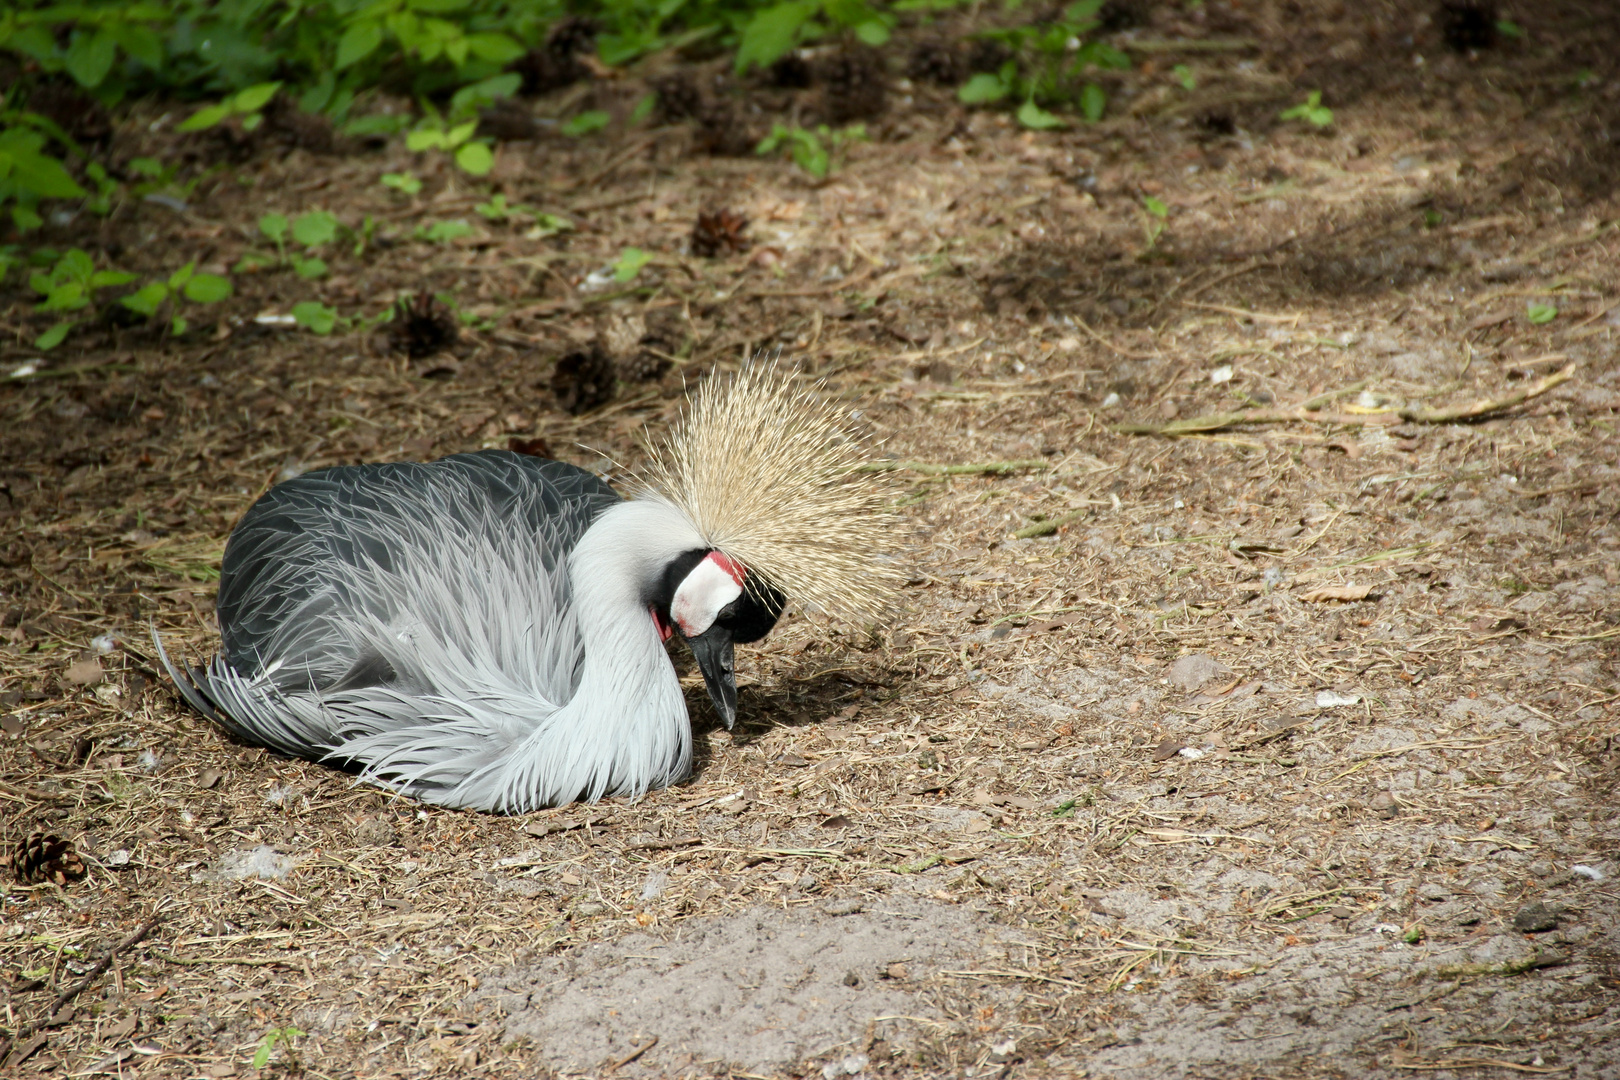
(767, 469)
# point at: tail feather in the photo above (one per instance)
(189, 687)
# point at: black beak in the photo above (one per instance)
(715, 657)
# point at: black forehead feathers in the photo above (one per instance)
(747, 618)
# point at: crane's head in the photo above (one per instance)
(709, 600)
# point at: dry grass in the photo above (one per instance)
(1011, 741)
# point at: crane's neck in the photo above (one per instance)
(626, 729)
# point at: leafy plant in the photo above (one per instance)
(1050, 57)
(1155, 215)
(70, 285)
(472, 155)
(185, 283)
(1183, 75)
(404, 183)
(1540, 314)
(586, 122)
(629, 264)
(316, 317)
(313, 231)
(819, 152)
(441, 232)
(267, 1045)
(1311, 110)
(772, 33)
(244, 103)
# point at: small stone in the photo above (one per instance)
(896, 971)
(849, 905)
(1535, 918)
(1002, 1052)
(589, 909)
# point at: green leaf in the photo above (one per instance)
(425, 139)
(359, 41)
(252, 262)
(1183, 75)
(315, 228)
(442, 231)
(586, 122)
(51, 338)
(148, 167)
(309, 269)
(205, 117)
(631, 260)
(103, 279)
(1540, 314)
(404, 183)
(208, 288)
(772, 32)
(1508, 28)
(178, 325)
(147, 300)
(475, 158)
(460, 133)
(643, 108)
(182, 275)
(496, 48)
(140, 42)
(251, 121)
(255, 98)
(1155, 207)
(261, 1056)
(66, 297)
(1033, 116)
(982, 89)
(90, 57)
(274, 227)
(316, 317)
(1093, 102)
(873, 32)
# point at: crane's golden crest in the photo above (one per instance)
(769, 472)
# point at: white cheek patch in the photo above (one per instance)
(707, 589)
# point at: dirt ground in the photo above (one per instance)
(1290, 749)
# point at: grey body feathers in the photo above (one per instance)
(471, 631)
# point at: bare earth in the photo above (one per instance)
(1289, 751)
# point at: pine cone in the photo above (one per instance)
(678, 97)
(557, 63)
(309, 131)
(791, 72)
(1468, 25)
(46, 857)
(937, 62)
(985, 55)
(1117, 15)
(719, 231)
(535, 447)
(723, 132)
(572, 35)
(857, 83)
(423, 326)
(583, 380)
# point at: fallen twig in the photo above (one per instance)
(1475, 411)
(619, 1062)
(983, 468)
(96, 971)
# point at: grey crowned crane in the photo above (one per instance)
(488, 631)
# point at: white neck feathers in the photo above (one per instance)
(626, 728)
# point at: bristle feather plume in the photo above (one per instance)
(769, 472)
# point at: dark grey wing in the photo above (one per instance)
(291, 584)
